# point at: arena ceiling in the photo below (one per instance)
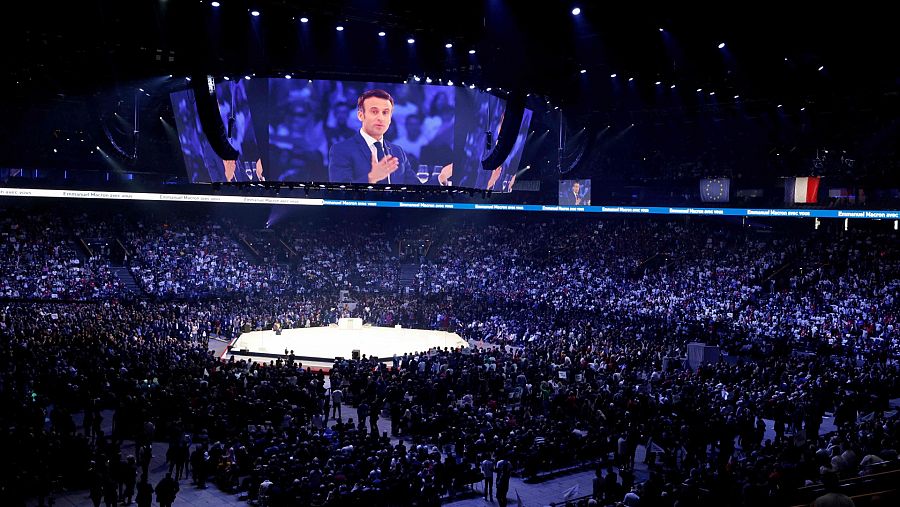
(841, 57)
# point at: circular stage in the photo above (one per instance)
(321, 345)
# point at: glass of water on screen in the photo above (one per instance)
(423, 174)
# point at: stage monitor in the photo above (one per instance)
(298, 130)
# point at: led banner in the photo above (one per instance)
(296, 201)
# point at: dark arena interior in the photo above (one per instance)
(569, 254)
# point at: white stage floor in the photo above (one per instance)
(322, 344)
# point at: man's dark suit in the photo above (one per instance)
(568, 198)
(350, 161)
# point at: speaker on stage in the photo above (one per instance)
(355, 354)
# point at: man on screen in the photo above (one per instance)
(576, 195)
(368, 157)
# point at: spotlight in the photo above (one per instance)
(247, 78)
(448, 45)
(821, 68)
(613, 75)
(417, 78)
(721, 45)
(471, 87)
(658, 83)
(699, 90)
(576, 11)
(287, 76)
(630, 79)
(779, 106)
(737, 97)
(215, 4)
(803, 109)
(428, 80)
(339, 28)
(471, 51)
(583, 71)
(255, 14)
(487, 89)
(54, 150)
(661, 30)
(410, 41)
(227, 78)
(712, 93)
(449, 83)
(304, 20)
(141, 89)
(672, 87)
(381, 34)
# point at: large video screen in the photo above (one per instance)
(575, 192)
(346, 132)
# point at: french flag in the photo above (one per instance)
(801, 190)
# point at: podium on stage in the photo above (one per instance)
(350, 323)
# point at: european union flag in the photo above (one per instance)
(715, 189)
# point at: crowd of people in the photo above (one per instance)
(577, 328)
(41, 261)
(190, 258)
